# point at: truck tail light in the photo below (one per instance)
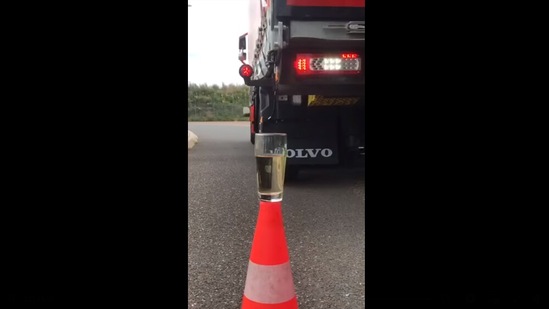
(344, 63)
(246, 71)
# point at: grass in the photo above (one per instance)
(216, 118)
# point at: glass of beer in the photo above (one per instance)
(270, 155)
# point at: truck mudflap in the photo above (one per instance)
(312, 152)
(315, 143)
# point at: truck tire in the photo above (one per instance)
(252, 134)
(255, 116)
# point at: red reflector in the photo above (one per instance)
(246, 71)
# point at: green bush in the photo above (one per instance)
(215, 103)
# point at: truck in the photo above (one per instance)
(304, 62)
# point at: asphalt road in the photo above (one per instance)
(323, 217)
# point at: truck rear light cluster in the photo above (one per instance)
(347, 63)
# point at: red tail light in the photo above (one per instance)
(345, 63)
(349, 56)
(246, 71)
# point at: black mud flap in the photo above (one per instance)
(310, 142)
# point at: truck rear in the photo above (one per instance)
(304, 63)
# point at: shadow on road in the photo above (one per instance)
(320, 177)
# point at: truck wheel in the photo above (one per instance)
(252, 134)
(292, 173)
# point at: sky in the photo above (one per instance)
(214, 28)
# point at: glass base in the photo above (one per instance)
(270, 198)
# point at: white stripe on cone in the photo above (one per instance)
(269, 284)
(193, 139)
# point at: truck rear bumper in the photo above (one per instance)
(321, 89)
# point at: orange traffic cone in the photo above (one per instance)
(269, 281)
